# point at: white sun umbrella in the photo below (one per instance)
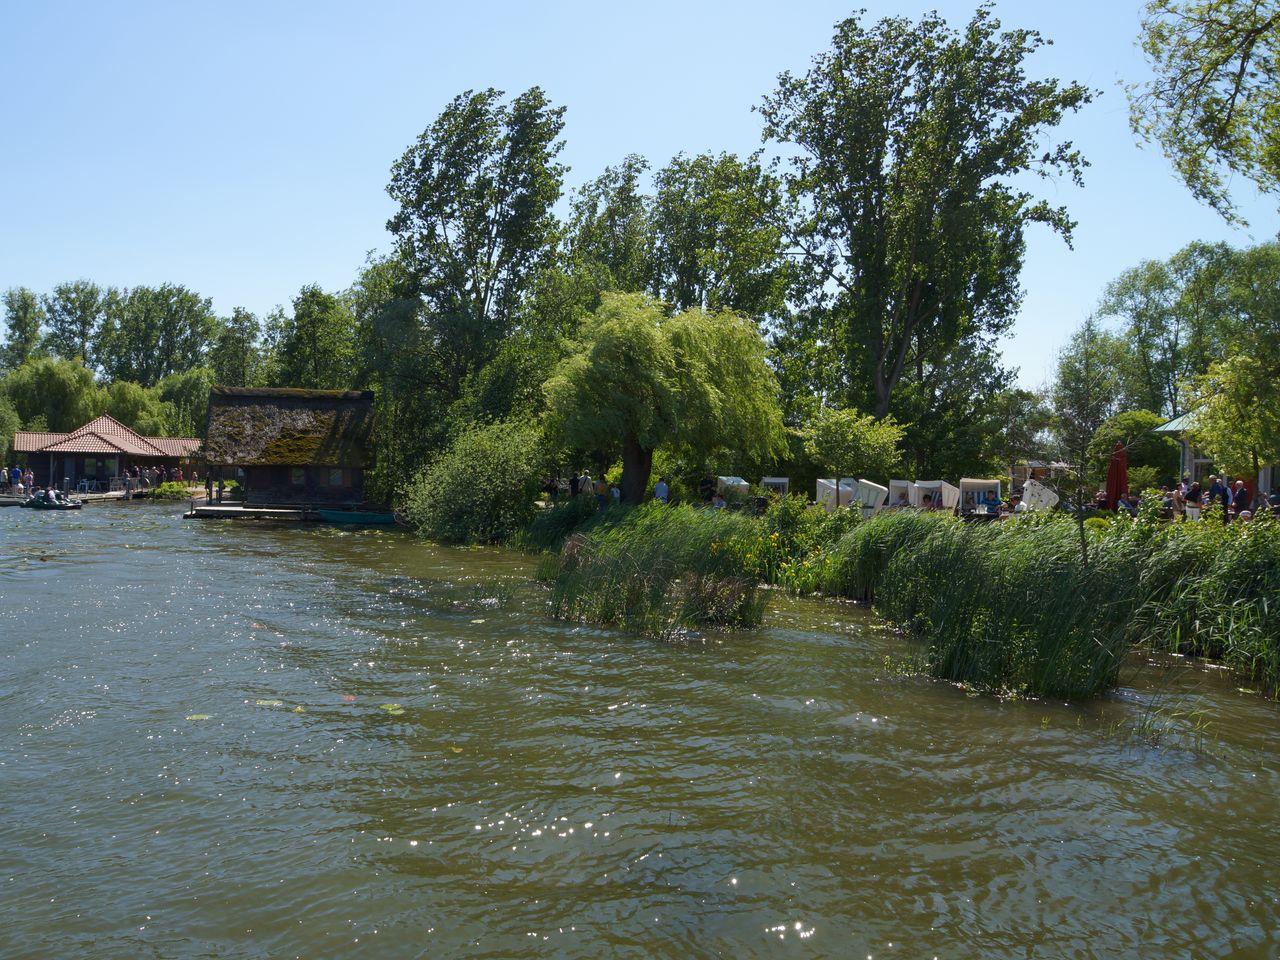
(927, 491)
(1037, 496)
(872, 496)
(826, 493)
(733, 485)
(900, 493)
(977, 489)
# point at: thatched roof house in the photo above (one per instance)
(292, 446)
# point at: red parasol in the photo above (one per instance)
(1117, 476)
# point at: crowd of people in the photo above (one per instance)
(16, 481)
(1219, 497)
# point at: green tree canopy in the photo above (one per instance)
(1214, 103)
(186, 395)
(475, 225)
(637, 380)
(23, 318)
(718, 237)
(60, 394)
(235, 353)
(909, 141)
(1236, 414)
(1132, 429)
(147, 333)
(1177, 317)
(138, 408)
(10, 423)
(853, 444)
(315, 346)
(73, 312)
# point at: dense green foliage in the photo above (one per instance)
(480, 490)
(1214, 102)
(1011, 606)
(657, 570)
(909, 140)
(1133, 431)
(638, 380)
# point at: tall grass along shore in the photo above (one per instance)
(1008, 607)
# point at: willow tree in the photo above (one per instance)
(909, 145)
(638, 380)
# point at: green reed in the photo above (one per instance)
(658, 570)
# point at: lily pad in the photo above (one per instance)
(199, 716)
(392, 708)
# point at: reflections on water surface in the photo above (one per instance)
(552, 789)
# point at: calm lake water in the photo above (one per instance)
(551, 790)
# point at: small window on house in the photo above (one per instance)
(297, 476)
(335, 477)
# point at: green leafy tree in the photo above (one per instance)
(637, 380)
(59, 394)
(718, 237)
(186, 397)
(475, 226)
(1177, 315)
(314, 347)
(10, 423)
(1083, 396)
(23, 318)
(73, 312)
(1237, 414)
(235, 353)
(1026, 419)
(610, 232)
(148, 333)
(1214, 103)
(138, 408)
(1132, 429)
(910, 143)
(854, 444)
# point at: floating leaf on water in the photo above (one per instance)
(1246, 690)
(456, 749)
(199, 716)
(299, 709)
(481, 620)
(269, 703)
(392, 708)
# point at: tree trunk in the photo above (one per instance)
(637, 465)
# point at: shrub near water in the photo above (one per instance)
(659, 571)
(481, 490)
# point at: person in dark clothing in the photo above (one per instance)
(707, 488)
(1218, 490)
(573, 484)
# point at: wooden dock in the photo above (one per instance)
(85, 498)
(236, 511)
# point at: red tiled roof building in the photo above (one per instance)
(101, 450)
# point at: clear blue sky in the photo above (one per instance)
(243, 149)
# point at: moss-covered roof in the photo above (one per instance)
(288, 427)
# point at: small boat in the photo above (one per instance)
(355, 516)
(40, 502)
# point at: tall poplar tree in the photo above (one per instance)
(906, 144)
